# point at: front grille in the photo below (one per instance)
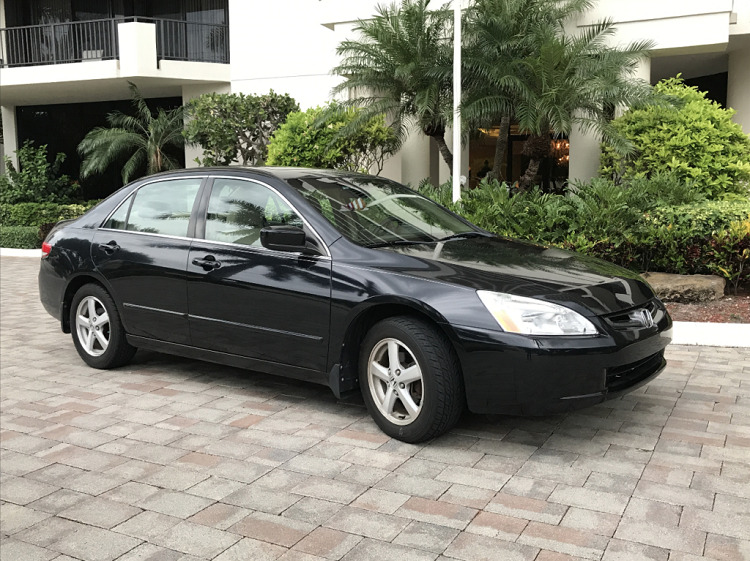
(631, 319)
(622, 377)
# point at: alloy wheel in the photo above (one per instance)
(395, 380)
(92, 326)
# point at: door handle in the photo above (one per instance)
(209, 262)
(109, 248)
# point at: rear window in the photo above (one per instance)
(163, 208)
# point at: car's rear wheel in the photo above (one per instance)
(410, 379)
(97, 331)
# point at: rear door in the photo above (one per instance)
(247, 300)
(142, 250)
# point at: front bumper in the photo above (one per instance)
(505, 373)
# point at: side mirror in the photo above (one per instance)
(283, 238)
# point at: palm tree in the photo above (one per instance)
(142, 138)
(576, 80)
(391, 69)
(498, 36)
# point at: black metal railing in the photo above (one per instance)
(58, 43)
(79, 41)
(192, 41)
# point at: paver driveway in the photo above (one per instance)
(176, 459)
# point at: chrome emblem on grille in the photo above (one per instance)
(642, 316)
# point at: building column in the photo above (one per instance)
(415, 158)
(738, 85)
(585, 148)
(10, 135)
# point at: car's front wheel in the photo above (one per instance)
(410, 379)
(97, 331)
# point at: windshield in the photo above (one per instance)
(372, 211)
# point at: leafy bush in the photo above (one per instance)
(36, 214)
(696, 140)
(36, 179)
(22, 237)
(232, 127)
(657, 226)
(319, 138)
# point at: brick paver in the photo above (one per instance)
(170, 458)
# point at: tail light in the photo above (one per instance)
(46, 248)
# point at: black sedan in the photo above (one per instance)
(351, 281)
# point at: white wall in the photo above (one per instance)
(738, 86)
(10, 135)
(282, 45)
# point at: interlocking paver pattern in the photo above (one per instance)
(174, 459)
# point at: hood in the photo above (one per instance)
(525, 269)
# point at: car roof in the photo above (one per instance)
(283, 173)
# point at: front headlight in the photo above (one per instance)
(529, 316)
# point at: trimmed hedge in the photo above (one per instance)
(37, 214)
(21, 237)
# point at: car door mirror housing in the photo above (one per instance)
(283, 238)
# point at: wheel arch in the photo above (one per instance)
(343, 374)
(74, 284)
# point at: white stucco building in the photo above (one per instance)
(61, 58)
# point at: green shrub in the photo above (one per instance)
(331, 138)
(235, 127)
(36, 180)
(22, 237)
(36, 214)
(701, 218)
(696, 140)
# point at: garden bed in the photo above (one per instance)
(733, 308)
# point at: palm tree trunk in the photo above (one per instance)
(528, 179)
(444, 150)
(536, 148)
(501, 148)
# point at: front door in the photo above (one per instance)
(247, 300)
(142, 250)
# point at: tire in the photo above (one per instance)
(426, 396)
(99, 339)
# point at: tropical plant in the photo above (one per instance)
(36, 214)
(695, 139)
(522, 64)
(578, 80)
(143, 140)
(36, 180)
(499, 35)
(236, 127)
(306, 141)
(391, 69)
(665, 226)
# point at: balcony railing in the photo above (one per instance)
(197, 42)
(79, 41)
(59, 43)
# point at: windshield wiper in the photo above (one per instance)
(396, 242)
(464, 235)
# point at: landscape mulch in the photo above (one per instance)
(733, 308)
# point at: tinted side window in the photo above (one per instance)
(164, 207)
(119, 219)
(238, 210)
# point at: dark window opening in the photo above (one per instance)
(62, 127)
(553, 169)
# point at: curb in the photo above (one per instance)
(683, 332)
(12, 252)
(711, 334)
